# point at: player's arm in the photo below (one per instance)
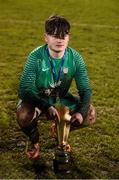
(83, 86)
(28, 90)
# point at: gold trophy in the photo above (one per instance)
(62, 153)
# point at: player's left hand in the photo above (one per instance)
(77, 117)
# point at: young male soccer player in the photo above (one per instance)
(47, 77)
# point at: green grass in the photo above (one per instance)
(95, 34)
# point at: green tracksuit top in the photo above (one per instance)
(37, 83)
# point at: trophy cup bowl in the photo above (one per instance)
(61, 160)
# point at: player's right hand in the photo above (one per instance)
(53, 114)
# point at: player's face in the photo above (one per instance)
(57, 44)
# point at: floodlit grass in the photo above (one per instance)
(95, 34)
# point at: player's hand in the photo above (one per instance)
(53, 114)
(77, 117)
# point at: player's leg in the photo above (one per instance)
(89, 119)
(27, 119)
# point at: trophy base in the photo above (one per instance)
(62, 161)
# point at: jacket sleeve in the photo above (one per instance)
(83, 85)
(27, 89)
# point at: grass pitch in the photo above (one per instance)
(95, 34)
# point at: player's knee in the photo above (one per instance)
(91, 117)
(24, 117)
(89, 122)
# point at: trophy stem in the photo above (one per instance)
(62, 153)
(63, 132)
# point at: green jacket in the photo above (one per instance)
(37, 83)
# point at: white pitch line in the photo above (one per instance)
(100, 26)
(96, 25)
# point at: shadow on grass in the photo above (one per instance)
(43, 169)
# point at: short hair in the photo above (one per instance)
(57, 26)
